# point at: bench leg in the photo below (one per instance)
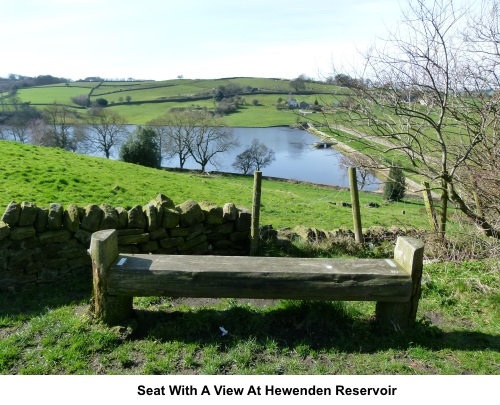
(115, 310)
(409, 253)
(107, 308)
(395, 314)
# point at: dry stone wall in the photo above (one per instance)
(42, 244)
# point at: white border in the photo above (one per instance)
(123, 390)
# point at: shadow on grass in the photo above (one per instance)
(319, 325)
(74, 289)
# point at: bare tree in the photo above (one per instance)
(244, 162)
(39, 134)
(299, 83)
(480, 112)
(175, 131)
(60, 122)
(262, 155)
(427, 104)
(211, 137)
(254, 157)
(108, 130)
(362, 163)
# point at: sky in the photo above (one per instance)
(198, 39)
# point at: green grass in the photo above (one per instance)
(46, 175)
(51, 94)
(49, 331)
(148, 93)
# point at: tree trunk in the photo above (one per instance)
(444, 208)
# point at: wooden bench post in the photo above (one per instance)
(409, 254)
(104, 252)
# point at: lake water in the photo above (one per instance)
(296, 157)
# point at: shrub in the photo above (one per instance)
(141, 148)
(101, 102)
(395, 186)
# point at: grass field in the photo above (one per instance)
(44, 175)
(152, 99)
(49, 330)
(51, 94)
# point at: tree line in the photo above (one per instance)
(14, 82)
(177, 135)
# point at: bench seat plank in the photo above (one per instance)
(259, 277)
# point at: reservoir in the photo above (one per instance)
(296, 157)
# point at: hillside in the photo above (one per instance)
(142, 101)
(44, 175)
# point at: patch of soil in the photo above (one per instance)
(207, 302)
(434, 318)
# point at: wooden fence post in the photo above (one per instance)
(104, 252)
(409, 254)
(254, 230)
(429, 207)
(356, 212)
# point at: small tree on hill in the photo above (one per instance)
(100, 102)
(299, 83)
(395, 186)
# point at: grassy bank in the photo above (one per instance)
(49, 331)
(45, 175)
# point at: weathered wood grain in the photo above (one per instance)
(394, 284)
(106, 307)
(259, 277)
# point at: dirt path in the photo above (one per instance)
(412, 186)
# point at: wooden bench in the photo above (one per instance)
(393, 284)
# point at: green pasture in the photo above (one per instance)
(82, 85)
(46, 175)
(256, 82)
(50, 94)
(264, 114)
(127, 84)
(146, 94)
(142, 113)
(49, 330)
(151, 90)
